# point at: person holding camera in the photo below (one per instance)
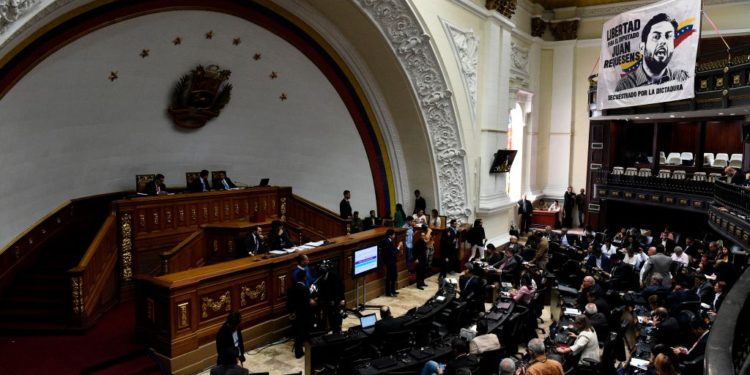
(330, 297)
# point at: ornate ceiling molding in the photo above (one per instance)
(12, 10)
(465, 46)
(400, 26)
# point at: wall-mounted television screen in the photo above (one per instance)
(365, 261)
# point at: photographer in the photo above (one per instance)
(330, 296)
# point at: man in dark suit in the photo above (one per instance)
(719, 294)
(525, 210)
(156, 186)
(387, 323)
(390, 251)
(200, 184)
(588, 285)
(698, 349)
(254, 243)
(598, 321)
(222, 182)
(345, 208)
(569, 200)
(419, 202)
(703, 289)
(598, 260)
(510, 267)
(657, 262)
(666, 328)
(230, 348)
(299, 306)
(622, 276)
(734, 176)
(469, 284)
(420, 257)
(371, 221)
(449, 248)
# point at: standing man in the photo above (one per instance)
(230, 348)
(657, 262)
(345, 208)
(449, 242)
(419, 202)
(525, 209)
(420, 257)
(581, 203)
(409, 226)
(390, 253)
(300, 313)
(200, 184)
(568, 202)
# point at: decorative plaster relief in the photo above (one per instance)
(520, 57)
(401, 28)
(11, 10)
(465, 46)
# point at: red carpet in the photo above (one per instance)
(112, 337)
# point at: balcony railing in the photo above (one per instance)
(728, 348)
(733, 197)
(669, 185)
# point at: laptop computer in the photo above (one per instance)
(368, 323)
(264, 182)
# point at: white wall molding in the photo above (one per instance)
(465, 46)
(399, 24)
(485, 13)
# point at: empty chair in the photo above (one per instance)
(679, 175)
(644, 172)
(618, 170)
(699, 176)
(687, 158)
(721, 160)
(674, 158)
(664, 173)
(630, 171)
(708, 158)
(662, 158)
(735, 161)
(712, 177)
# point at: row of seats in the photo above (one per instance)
(719, 160)
(665, 173)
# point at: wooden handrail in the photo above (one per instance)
(189, 253)
(93, 279)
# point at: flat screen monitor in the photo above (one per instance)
(365, 260)
(502, 161)
(264, 182)
(367, 321)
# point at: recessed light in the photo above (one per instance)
(648, 118)
(731, 114)
(721, 113)
(636, 117)
(671, 116)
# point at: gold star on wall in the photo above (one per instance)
(256, 56)
(282, 97)
(113, 76)
(273, 75)
(236, 41)
(210, 34)
(177, 41)
(144, 53)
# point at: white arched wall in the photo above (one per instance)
(67, 131)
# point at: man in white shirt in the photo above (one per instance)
(680, 256)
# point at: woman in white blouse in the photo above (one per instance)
(586, 342)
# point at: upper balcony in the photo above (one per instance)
(722, 81)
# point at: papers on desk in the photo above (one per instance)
(506, 285)
(314, 244)
(639, 363)
(277, 252)
(571, 312)
(440, 298)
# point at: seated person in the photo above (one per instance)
(469, 284)
(371, 221)
(278, 238)
(222, 182)
(492, 256)
(598, 260)
(460, 359)
(656, 286)
(356, 225)
(200, 184)
(156, 186)
(508, 366)
(387, 323)
(540, 364)
(586, 342)
(666, 328)
(598, 321)
(588, 285)
(254, 243)
(700, 330)
(526, 291)
(512, 263)
(567, 240)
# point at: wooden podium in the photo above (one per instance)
(542, 218)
